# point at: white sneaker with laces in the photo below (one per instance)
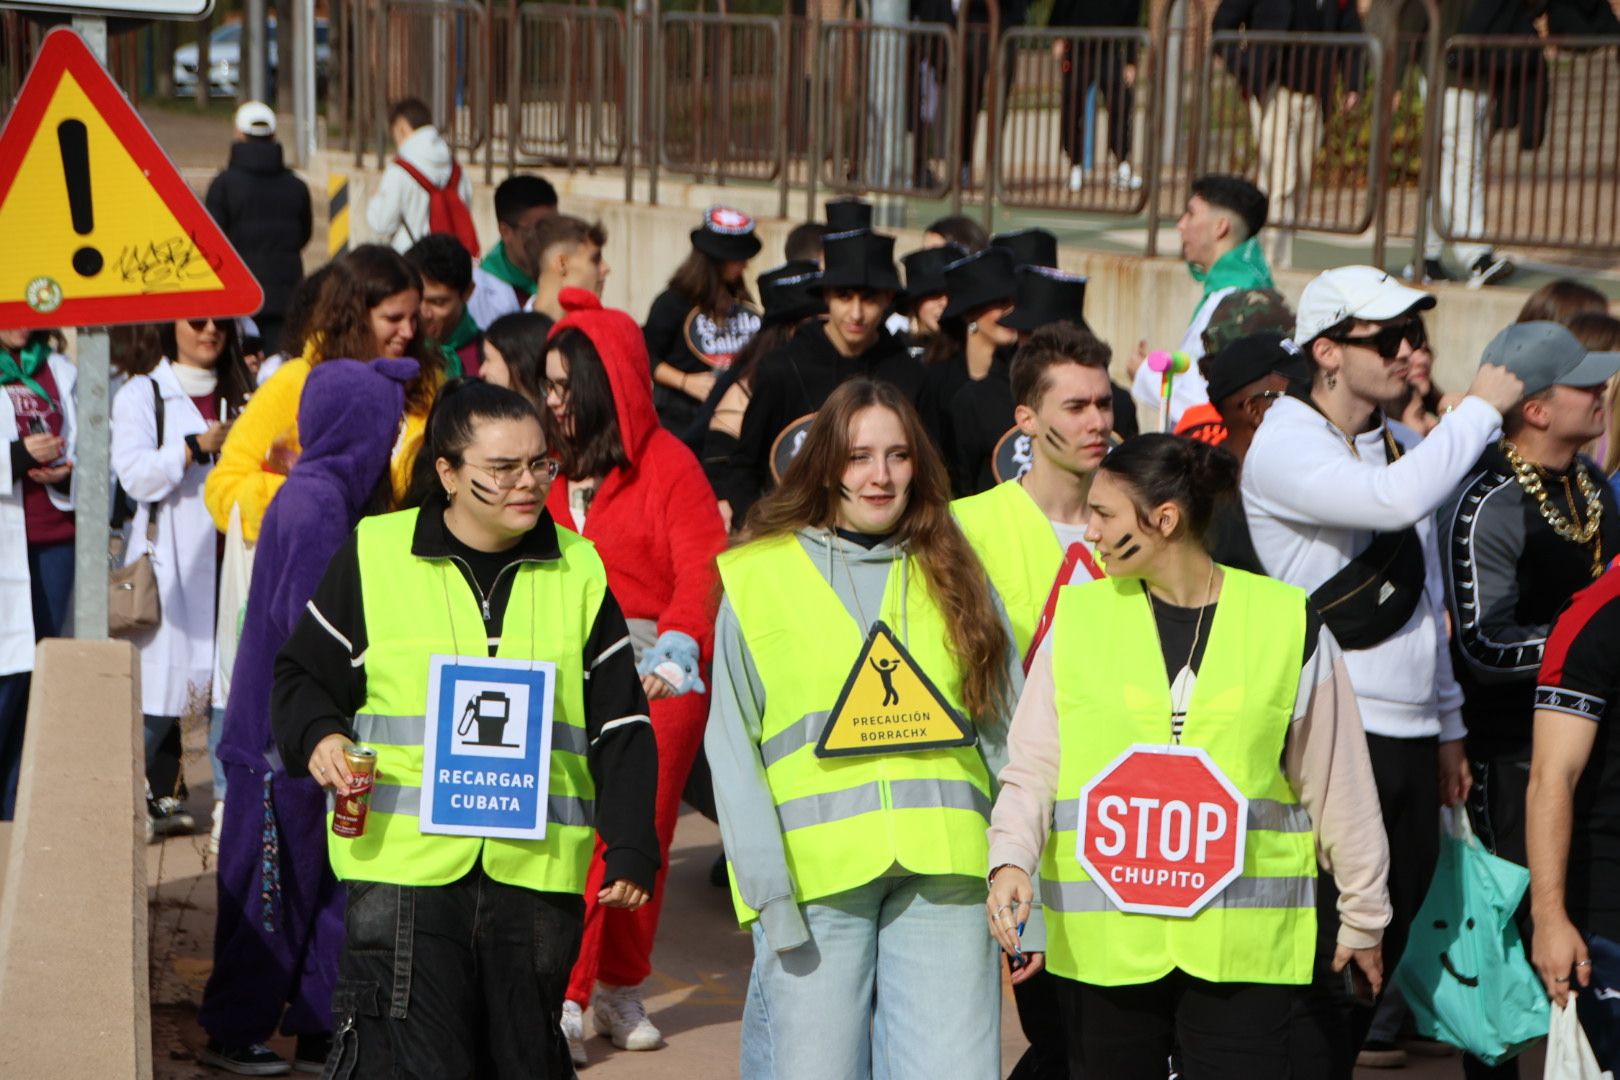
(573, 1029)
(618, 1013)
(1077, 178)
(1126, 179)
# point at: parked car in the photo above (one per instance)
(225, 60)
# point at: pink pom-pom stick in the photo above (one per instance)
(1168, 365)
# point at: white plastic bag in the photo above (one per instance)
(235, 574)
(1569, 1055)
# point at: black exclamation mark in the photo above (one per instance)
(73, 140)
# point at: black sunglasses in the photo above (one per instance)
(200, 325)
(1387, 341)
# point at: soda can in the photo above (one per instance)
(349, 815)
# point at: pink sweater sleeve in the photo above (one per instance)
(1023, 810)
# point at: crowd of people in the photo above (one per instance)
(677, 550)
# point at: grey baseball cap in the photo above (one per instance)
(1544, 354)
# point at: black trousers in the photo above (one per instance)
(454, 981)
(1328, 1026)
(1222, 1031)
(1041, 1015)
(1102, 63)
(1496, 812)
(163, 756)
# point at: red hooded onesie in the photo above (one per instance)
(657, 527)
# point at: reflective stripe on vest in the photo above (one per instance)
(934, 805)
(1018, 548)
(418, 608)
(1263, 814)
(1111, 692)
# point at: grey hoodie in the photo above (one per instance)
(748, 820)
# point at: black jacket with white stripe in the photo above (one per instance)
(319, 685)
(1507, 576)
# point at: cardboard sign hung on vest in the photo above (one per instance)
(890, 706)
(486, 758)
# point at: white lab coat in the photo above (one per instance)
(177, 656)
(16, 597)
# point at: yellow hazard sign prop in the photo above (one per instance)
(99, 227)
(888, 705)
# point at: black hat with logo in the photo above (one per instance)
(788, 292)
(1046, 296)
(848, 214)
(861, 259)
(925, 269)
(981, 279)
(1029, 247)
(727, 235)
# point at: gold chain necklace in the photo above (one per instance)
(1529, 478)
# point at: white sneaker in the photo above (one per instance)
(573, 1029)
(1126, 179)
(617, 1012)
(1077, 178)
(219, 823)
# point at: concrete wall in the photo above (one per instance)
(1129, 297)
(74, 974)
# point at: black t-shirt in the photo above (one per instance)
(1580, 675)
(673, 326)
(483, 571)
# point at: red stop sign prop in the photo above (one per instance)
(1162, 830)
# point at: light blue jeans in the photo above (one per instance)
(899, 981)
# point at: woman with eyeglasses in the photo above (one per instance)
(478, 650)
(634, 490)
(367, 309)
(168, 423)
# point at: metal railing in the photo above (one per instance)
(969, 112)
(1529, 142)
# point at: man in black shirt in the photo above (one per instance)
(1574, 812)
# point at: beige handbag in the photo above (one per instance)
(132, 591)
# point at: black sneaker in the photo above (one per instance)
(254, 1060)
(1490, 269)
(312, 1052)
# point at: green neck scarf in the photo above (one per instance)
(21, 368)
(1244, 267)
(497, 264)
(466, 330)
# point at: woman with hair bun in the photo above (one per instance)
(1186, 699)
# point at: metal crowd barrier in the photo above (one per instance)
(720, 96)
(1070, 119)
(568, 68)
(1294, 113)
(1529, 142)
(438, 50)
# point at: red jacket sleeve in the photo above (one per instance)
(696, 536)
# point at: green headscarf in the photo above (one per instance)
(466, 330)
(21, 368)
(497, 264)
(1244, 267)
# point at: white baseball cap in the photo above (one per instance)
(1353, 292)
(255, 118)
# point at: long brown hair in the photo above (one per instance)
(808, 499)
(697, 280)
(340, 325)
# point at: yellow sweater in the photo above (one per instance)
(242, 477)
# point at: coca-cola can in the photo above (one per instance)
(349, 815)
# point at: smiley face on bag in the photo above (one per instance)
(1445, 958)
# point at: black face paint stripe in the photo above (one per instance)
(1056, 440)
(1132, 550)
(479, 489)
(845, 492)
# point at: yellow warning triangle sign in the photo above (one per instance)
(889, 705)
(99, 227)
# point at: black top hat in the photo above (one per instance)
(1046, 296)
(1029, 247)
(981, 279)
(848, 214)
(925, 269)
(788, 291)
(727, 235)
(861, 259)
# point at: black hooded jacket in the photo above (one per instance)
(263, 208)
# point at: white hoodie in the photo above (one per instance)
(398, 213)
(1313, 504)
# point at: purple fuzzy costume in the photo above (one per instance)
(280, 920)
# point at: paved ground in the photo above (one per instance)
(700, 965)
